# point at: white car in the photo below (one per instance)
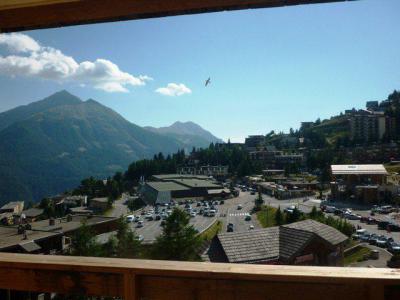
(192, 214)
(140, 238)
(130, 218)
(251, 227)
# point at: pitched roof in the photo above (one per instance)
(30, 246)
(32, 212)
(256, 245)
(326, 232)
(11, 205)
(358, 169)
(276, 242)
(292, 241)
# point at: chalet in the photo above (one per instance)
(301, 243)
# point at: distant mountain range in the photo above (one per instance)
(188, 133)
(49, 146)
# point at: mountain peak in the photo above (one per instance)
(62, 97)
(24, 112)
(187, 129)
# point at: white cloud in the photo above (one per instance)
(52, 64)
(18, 42)
(174, 89)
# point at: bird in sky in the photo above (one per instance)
(208, 81)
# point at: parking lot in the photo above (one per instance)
(152, 227)
(233, 210)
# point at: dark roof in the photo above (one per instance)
(276, 242)
(326, 232)
(32, 212)
(256, 245)
(292, 241)
(197, 183)
(163, 186)
(179, 176)
(30, 246)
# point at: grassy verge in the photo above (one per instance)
(266, 216)
(212, 231)
(356, 256)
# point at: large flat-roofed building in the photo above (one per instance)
(177, 187)
(163, 192)
(366, 183)
(301, 243)
(169, 177)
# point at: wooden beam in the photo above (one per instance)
(151, 279)
(17, 15)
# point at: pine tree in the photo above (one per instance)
(179, 240)
(84, 242)
(279, 217)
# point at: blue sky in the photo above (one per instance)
(270, 69)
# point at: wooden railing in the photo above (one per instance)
(151, 279)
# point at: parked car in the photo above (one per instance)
(192, 214)
(382, 241)
(149, 217)
(393, 227)
(252, 193)
(139, 224)
(338, 212)
(383, 224)
(351, 216)
(372, 221)
(251, 227)
(330, 209)
(140, 238)
(158, 217)
(247, 217)
(221, 202)
(386, 209)
(130, 218)
(365, 237)
(394, 248)
(239, 207)
(289, 209)
(372, 240)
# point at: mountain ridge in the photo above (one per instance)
(50, 145)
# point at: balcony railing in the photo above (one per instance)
(151, 279)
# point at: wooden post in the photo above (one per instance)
(130, 290)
